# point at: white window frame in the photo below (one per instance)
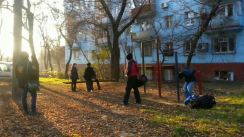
(223, 40)
(226, 10)
(190, 18)
(168, 22)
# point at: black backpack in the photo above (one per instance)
(203, 102)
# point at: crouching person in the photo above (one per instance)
(190, 79)
(27, 75)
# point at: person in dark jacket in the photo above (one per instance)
(74, 76)
(190, 79)
(131, 73)
(88, 76)
(23, 75)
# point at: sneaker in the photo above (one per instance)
(122, 103)
(35, 113)
(137, 103)
(99, 89)
(91, 91)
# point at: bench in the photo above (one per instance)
(100, 80)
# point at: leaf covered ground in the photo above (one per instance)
(99, 114)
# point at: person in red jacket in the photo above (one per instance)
(132, 72)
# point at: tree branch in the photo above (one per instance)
(121, 11)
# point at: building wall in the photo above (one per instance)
(207, 62)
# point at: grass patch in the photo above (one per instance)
(179, 132)
(52, 80)
(224, 119)
(148, 111)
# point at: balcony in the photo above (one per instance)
(221, 25)
(148, 9)
(101, 41)
(143, 35)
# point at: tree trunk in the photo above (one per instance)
(67, 65)
(17, 34)
(30, 17)
(45, 59)
(115, 62)
(49, 58)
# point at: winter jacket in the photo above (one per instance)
(89, 73)
(132, 69)
(22, 75)
(74, 73)
(188, 74)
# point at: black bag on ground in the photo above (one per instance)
(203, 102)
(142, 81)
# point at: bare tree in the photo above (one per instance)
(58, 55)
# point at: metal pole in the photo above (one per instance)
(143, 64)
(199, 82)
(158, 64)
(176, 76)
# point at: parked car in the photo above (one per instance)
(6, 69)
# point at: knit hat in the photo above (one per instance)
(129, 56)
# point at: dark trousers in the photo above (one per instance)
(131, 83)
(33, 100)
(73, 84)
(98, 85)
(89, 85)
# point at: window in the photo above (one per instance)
(147, 49)
(101, 34)
(146, 26)
(168, 45)
(169, 21)
(76, 55)
(129, 50)
(187, 47)
(226, 10)
(149, 73)
(4, 68)
(190, 18)
(224, 45)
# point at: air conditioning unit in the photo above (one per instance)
(203, 47)
(164, 5)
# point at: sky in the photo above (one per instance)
(6, 36)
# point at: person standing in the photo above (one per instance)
(74, 76)
(132, 72)
(26, 71)
(190, 79)
(88, 76)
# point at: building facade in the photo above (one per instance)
(218, 55)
